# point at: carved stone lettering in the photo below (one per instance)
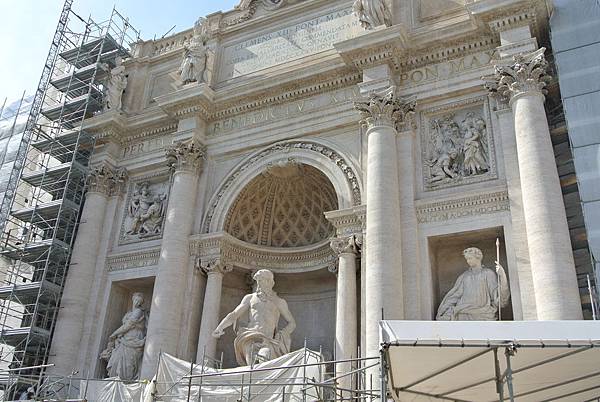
(288, 43)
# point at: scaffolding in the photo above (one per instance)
(40, 208)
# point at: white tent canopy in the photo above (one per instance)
(489, 361)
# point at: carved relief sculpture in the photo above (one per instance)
(456, 150)
(477, 293)
(125, 347)
(193, 65)
(146, 211)
(117, 82)
(372, 13)
(261, 340)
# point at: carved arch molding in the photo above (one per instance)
(306, 146)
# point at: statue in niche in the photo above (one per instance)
(372, 13)
(146, 211)
(457, 151)
(261, 340)
(125, 347)
(477, 293)
(195, 55)
(117, 82)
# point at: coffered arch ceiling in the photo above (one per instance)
(283, 207)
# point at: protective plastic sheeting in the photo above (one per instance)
(479, 361)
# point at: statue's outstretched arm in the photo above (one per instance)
(232, 317)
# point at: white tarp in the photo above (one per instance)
(433, 361)
(281, 379)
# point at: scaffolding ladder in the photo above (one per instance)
(40, 211)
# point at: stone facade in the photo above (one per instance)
(355, 156)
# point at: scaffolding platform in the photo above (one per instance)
(61, 146)
(16, 336)
(51, 179)
(72, 112)
(76, 83)
(33, 252)
(89, 52)
(28, 292)
(42, 213)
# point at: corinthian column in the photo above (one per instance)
(554, 279)
(185, 160)
(346, 316)
(207, 344)
(382, 112)
(102, 183)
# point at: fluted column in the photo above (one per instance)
(185, 160)
(346, 308)
(207, 344)
(382, 112)
(554, 279)
(102, 182)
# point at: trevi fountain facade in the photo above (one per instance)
(344, 156)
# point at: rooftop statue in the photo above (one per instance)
(261, 340)
(475, 295)
(372, 13)
(193, 65)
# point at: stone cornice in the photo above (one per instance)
(224, 247)
(136, 259)
(473, 205)
(348, 221)
(501, 15)
(191, 99)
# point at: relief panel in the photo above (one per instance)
(457, 146)
(145, 210)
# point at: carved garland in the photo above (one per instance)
(341, 163)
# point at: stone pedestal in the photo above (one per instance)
(381, 113)
(553, 270)
(346, 336)
(103, 182)
(164, 324)
(207, 344)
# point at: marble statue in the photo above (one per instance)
(372, 13)
(125, 347)
(117, 82)
(146, 211)
(193, 64)
(475, 295)
(261, 340)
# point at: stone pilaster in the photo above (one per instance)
(185, 160)
(522, 83)
(103, 182)
(207, 344)
(383, 112)
(346, 323)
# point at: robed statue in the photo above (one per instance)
(261, 340)
(125, 347)
(478, 292)
(195, 55)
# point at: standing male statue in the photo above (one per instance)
(475, 295)
(261, 340)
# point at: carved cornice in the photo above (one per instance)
(346, 245)
(106, 180)
(186, 156)
(149, 132)
(476, 205)
(224, 247)
(527, 74)
(335, 158)
(192, 99)
(347, 221)
(386, 108)
(211, 266)
(138, 259)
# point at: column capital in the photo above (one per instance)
(215, 266)
(346, 244)
(106, 180)
(386, 108)
(186, 156)
(527, 74)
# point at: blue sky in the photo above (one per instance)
(27, 26)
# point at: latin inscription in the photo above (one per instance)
(284, 111)
(143, 147)
(445, 70)
(286, 44)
